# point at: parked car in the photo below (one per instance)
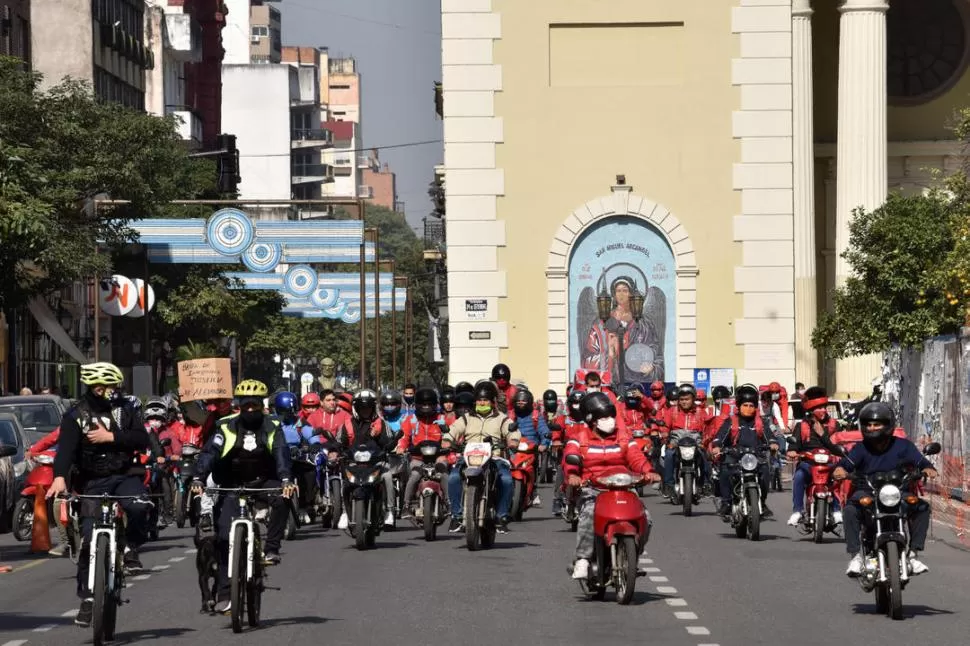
(38, 414)
(837, 409)
(13, 469)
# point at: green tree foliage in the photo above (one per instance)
(59, 148)
(902, 288)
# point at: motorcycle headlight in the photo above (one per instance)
(749, 462)
(687, 453)
(618, 480)
(639, 434)
(429, 450)
(189, 449)
(20, 468)
(372, 478)
(822, 458)
(475, 460)
(350, 477)
(523, 446)
(362, 456)
(890, 495)
(44, 459)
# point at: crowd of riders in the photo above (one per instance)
(111, 443)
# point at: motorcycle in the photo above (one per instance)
(187, 504)
(621, 529)
(40, 475)
(399, 468)
(746, 493)
(885, 535)
(819, 495)
(330, 484)
(523, 477)
(645, 446)
(775, 464)
(304, 461)
(431, 512)
(481, 495)
(365, 493)
(549, 460)
(685, 450)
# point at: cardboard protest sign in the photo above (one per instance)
(205, 379)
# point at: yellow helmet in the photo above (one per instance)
(251, 388)
(101, 374)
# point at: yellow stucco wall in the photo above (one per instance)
(659, 112)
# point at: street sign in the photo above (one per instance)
(306, 378)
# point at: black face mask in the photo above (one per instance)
(96, 403)
(408, 400)
(252, 419)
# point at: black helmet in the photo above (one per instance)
(685, 389)
(523, 401)
(672, 395)
(550, 401)
(448, 395)
(746, 394)
(632, 397)
(597, 406)
(464, 387)
(426, 402)
(575, 405)
(391, 403)
(464, 403)
(501, 371)
(486, 390)
(877, 412)
(720, 393)
(364, 405)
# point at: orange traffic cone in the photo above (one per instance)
(40, 535)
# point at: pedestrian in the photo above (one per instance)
(26, 392)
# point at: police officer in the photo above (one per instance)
(246, 450)
(99, 439)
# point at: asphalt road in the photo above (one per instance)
(705, 587)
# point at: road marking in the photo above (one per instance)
(698, 630)
(176, 559)
(29, 565)
(685, 615)
(141, 577)
(651, 569)
(159, 568)
(191, 551)
(676, 602)
(70, 613)
(659, 579)
(16, 642)
(666, 589)
(44, 628)
(646, 561)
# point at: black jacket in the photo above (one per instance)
(265, 462)
(98, 460)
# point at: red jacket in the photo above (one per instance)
(603, 454)
(329, 422)
(169, 433)
(697, 419)
(449, 418)
(633, 419)
(416, 431)
(46, 442)
(188, 434)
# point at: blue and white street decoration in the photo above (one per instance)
(300, 280)
(263, 256)
(324, 297)
(230, 231)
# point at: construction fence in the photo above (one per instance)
(929, 388)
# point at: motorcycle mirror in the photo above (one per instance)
(789, 439)
(167, 442)
(932, 448)
(6, 450)
(574, 460)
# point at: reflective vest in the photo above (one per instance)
(230, 436)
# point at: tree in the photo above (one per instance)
(58, 149)
(909, 277)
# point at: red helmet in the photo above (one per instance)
(345, 401)
(774, 387)
(701, 394)
(311, 399)
(657, 385)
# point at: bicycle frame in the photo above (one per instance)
(107, 526)
(246, 521)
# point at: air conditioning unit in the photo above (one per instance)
(254, 39)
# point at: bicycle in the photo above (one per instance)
(246, 572)
(106, 574)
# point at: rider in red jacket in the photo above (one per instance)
(685, 418)
(424, 426)
(602, 449)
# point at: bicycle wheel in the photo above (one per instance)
(254, 588)
(238, 583)
(100, 592)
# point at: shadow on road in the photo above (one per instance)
(640, 597)
(13, 622)
(506, 545)
(293, 621)
(908, 611)
(380, 545)
(132, 636)
(764, 537)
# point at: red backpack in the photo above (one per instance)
(759, 427)
(806, 429)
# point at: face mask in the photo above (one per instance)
(155, 423)
(820, 414)
(775, 397)
(593, 389)
(409, 399)
(390, 411)
(606, 425)
(502, 383)
(252, 418)
(483, 409)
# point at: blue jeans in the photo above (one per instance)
(799, 484)
(670, 457)
(455, 493)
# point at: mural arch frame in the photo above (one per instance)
(621, 202)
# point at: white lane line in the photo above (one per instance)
(141, 577)
(708, 645)
(159, 568)
(44, 628)
(191, 551)
(666, 589)
(698, 630)
(676, 602)
(651, 569)
(659, 579)
(685, 615)
(646, 561)
(70, 613)
(176, 559)
(16, 642)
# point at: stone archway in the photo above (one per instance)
(621, 202)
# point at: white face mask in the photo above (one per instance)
(606, 425)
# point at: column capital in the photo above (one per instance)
(852, 6)
(801, 8)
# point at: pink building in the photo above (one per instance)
(381, 184)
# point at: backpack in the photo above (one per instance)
(759, 427)
(806, 429)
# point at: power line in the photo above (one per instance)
(359, 19)
(355, 150)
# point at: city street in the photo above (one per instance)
(704, 586)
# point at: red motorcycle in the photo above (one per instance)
(523, 477)
(551, 459)
(819, 495)
(41, 475)
(621, 529)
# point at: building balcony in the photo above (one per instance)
(183, 37)
(189, 128)
(310, 138)
(366, 192)
(311, 173)
(366, 161)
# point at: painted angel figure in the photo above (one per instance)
(632, 350)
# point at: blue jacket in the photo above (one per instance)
(861, 461)
(292, 432)
(395, 423)
(538, 434)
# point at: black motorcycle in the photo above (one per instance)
(329, 467)
(186, 503)
(885, 534)
(364, 493)
(746, 506)
(686, 456)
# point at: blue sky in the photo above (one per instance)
(397, 44)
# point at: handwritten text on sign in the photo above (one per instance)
(205, 379)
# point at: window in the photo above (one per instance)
(928, 48)
(260, 30)
(339, 87)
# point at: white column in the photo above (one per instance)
(803, 168)
(862, 145)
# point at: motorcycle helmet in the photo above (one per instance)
(391, 403)
(464, 387)
(486, 390)
(426, 403)
(464, 403)
(364, 405)
(877, 413)
(550, 401)
(600, 413)
(720, 393)
(657, 389)
(345, 402)
(501, 374)
(447, 396)
(686, 390)
(746, 394)
(672, 396)
(575, 405)
(284, 403)
(156, 409)
(523, 402)
(310, 400)
(632, 398)
(774, 390)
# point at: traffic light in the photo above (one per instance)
(228, 163)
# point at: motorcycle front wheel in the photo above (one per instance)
(473, 500)
(23, 519)
(895, 609)
(687, 493)
(179, 505)
(361, 520)
(518, 500)
(625, 570)
(336, 503)
(821, 518)
(430, 526)
(754, 514)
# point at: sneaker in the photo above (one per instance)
(389, 519)
(456, 526)
(305, 519)
(557, 508)
(916, 566)
(205, 523)
(272, 557)
(724, 510)
(344, 521)
(794, 519)
(132, 562)
(503, 525)
(406, 513)
(58, 550)
(85, 613)
(855, 566)
(536, 501)
(837, 517)
(765, 512)
(581, 569)
(223, 607)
